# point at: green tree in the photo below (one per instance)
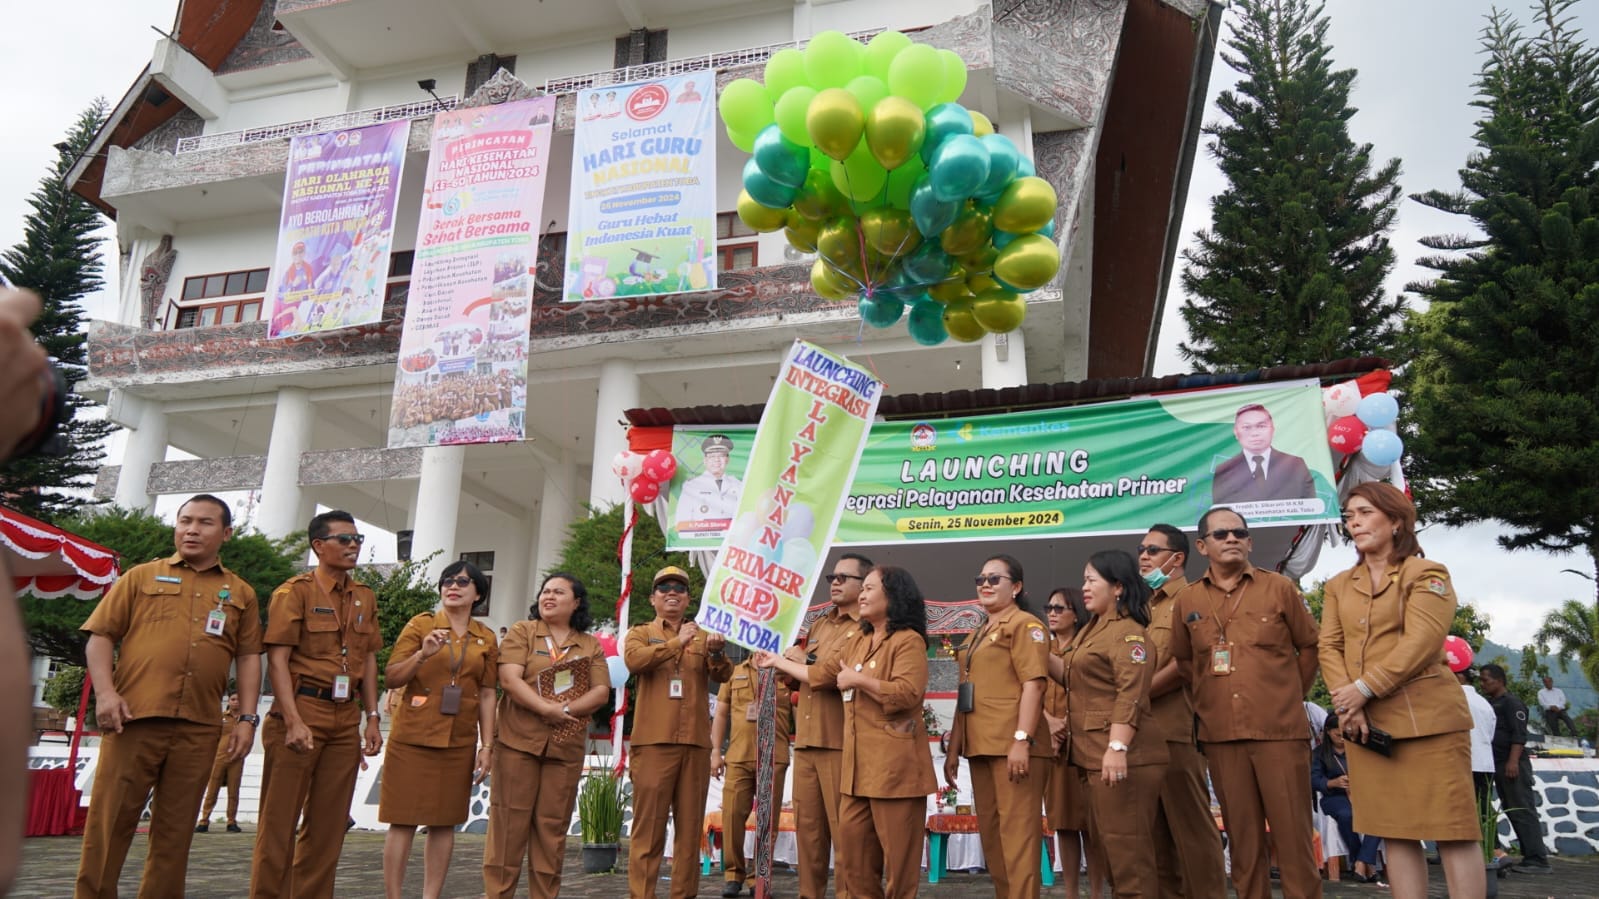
(59, 257)
(1573, 632)
(590, 554)
(404, 591)
(1292, 267)
(1504, 390)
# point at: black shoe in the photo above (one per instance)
(203, 828)
(234, 828)
(1533, 866)
(732, 888)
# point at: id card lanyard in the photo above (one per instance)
(1221, 657)
(674, 690)
(341, 683)
(217, 621)
(450, 694)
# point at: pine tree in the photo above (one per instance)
(59, 258)
(1292, 268)
(1505, 389)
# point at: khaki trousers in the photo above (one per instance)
(319, 784)
(224, 774)
(668, 779)
(1008, 821)
(881, 838)
(1188, 856)
(164, 754)
(816, 794)
(530, 810)
(738, 800)
(1121, 821)
(1259, 781)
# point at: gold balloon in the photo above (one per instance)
(999, 311)
(835, 122)
(829, 284)
(837, 241)
(1028, 263)
(801, 233)
(758, 217)
(1026, 205)
(890, 231)
(980, 260)
(981, 126)
(972, 228)
(961, 323)
(980, 284)
(950, 291)
(895, 129)
(818, 198)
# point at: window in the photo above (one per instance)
(399, 284)
(225, 298)
(735, 243)
(639, 47)
(484, 562)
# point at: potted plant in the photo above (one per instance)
(601, 799)
(1488, 825)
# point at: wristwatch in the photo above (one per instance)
(566, 709)
(374, 715)
(1117, 746)
(253, 720)
(1022, 735)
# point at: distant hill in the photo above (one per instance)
(1577, 689)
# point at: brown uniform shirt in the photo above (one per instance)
(526, 644)
(331, 627)
(167, 665)
(656, 658)
(739, 695)
(418, 720)
(1054, 691)
(1392, 639)
(1109, 667)
(886, 755)
(819, 721)
(1267, 622)
(1174, 711)
(1009, 650)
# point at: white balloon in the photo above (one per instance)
(627, 464)
(1340, 400)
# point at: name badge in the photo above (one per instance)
(168, 579)
(216, 622)
(674, 690)
(1221, 658)
(751, 712)
(341, 687)
(848, 695)
(563, 681)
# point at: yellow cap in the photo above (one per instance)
(670, 573)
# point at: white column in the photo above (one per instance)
(282, 500)
(557, 507)
(618, 392)
(147, 445)
(438, 504)
(1004, 360)
(511, 591)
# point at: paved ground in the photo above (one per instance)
(219, 867)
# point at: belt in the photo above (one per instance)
(323, 693)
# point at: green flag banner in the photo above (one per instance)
(800, 467)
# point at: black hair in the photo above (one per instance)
(1494, 671)
(1177, 539)
(318, 528)
(1204, 528)
(227, 513)
(865, 563)
(479, 579)
(1324, 749)
(1074, 599)
(1023, 601)
(580, 615)
(1115, 566)
(907, 610)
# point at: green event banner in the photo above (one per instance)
(803, 459)
(1110, 468)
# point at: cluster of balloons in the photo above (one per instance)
(911, 201)
(644, 473)
(1362, 424)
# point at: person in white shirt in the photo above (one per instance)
(1483, 723)
(1552, 700)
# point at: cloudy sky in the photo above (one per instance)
(1417, 60)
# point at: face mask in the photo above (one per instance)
(1155, 579)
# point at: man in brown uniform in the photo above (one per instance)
(1248, 642)
(322, 641)
(178, 624)
(736, 706)
(673, 663)
(1188, 857)
(819, 731)
(226, 772)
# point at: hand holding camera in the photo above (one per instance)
(28, 381)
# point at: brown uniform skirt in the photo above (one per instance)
(1422, 792)
(424, 786)
(1065, 802)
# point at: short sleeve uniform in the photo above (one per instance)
(419, 720)
(530, 645)
(331, 627)
(1008, 651)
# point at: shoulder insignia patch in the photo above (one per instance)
(1037, 634)
(1438, 585)
(1132, 638)
(1138, 654)
(1521, 715)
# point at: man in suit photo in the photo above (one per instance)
(1259, 472)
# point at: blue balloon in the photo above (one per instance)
(1378, 410)
(780, 159)
(1382, 447)
(960, 165)
(944, 121)
(1024, 168)
(926, 322)
(927, 265)
(1048, 230)
(931, 214)
(618, 671)
(881, 310)
(1003, 158)
(764, 190)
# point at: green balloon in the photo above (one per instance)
(860, 176)
(917, 74)
(790, 114)
(868, 90)
(881, 50)
(741, 140)
(745, 107)
(832, 58)
(954, 75)
(784, 70)
(902, 181)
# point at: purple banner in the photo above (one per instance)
(339, 195)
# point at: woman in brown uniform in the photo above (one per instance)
(999, 727)
(887, 770)
(447, 665)
(1065, 801)
(1107, 673)
(1382, 630)
(538, 752)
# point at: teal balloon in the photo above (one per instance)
(926, 322)
(764, 190)
(931, 214)
(927, 265)
(1002, 238)
(880, 311)
(959, 167)
(780, 159)
(1003, 159)
(944, 121)
(1024, 168)
(1048, 230)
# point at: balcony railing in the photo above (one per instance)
(353, 119)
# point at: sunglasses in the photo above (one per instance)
(346, 539)
(1057, 608)
(990, 580)
(1150, 549)
(459, 580)
(1220, 534)
(841, 578)
(671, 587)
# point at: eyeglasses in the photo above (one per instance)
(346, 539)
(990, 580)
(836, 578)
(1150, 549)
(1057, 608)
(671, 587)
(459, 580)
(1220, 534)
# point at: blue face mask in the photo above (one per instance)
(1155, 579)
